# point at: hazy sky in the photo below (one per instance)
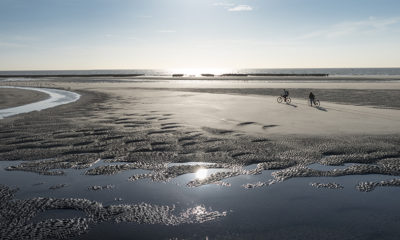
(130, 34)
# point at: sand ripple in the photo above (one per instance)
(16, 215)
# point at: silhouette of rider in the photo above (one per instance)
(312, 98)
(285, 94)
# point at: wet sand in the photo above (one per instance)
(17, 97)
(164, 125)
(133, 126)
(112, 111)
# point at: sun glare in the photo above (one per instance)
(201, 173)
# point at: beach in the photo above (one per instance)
(144, 132)
(199, 120)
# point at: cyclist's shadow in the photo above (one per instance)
(321, 108)
(292, 105)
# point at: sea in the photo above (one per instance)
(198, 72)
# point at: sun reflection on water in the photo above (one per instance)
(197, 72)
(199, 210)
(201, 173)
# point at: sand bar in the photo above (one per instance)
(56, 97)
(13, 97)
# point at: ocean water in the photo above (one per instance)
(216, 72)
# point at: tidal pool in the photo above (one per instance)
(291, 209)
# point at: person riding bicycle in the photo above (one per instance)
(312, 98)
(285, 94)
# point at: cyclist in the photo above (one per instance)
(312, 98)
(285, 94)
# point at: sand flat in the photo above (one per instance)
(249, 148)
(249, 113)
(225, 111)
(229, 112)
(267, 117)
(16, 97)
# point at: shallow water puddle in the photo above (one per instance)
(218, 210)
(58, 214)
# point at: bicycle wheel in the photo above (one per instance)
(288, 100)
(279, 99)
(316, 102)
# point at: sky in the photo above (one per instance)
(178, 34)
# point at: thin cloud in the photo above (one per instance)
(240, 8)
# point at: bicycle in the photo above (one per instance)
(316, 103)
(281, 99)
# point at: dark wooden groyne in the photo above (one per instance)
(234, 75)
(177, 75)
(290, 74)
(207, 75)
(276, 75)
